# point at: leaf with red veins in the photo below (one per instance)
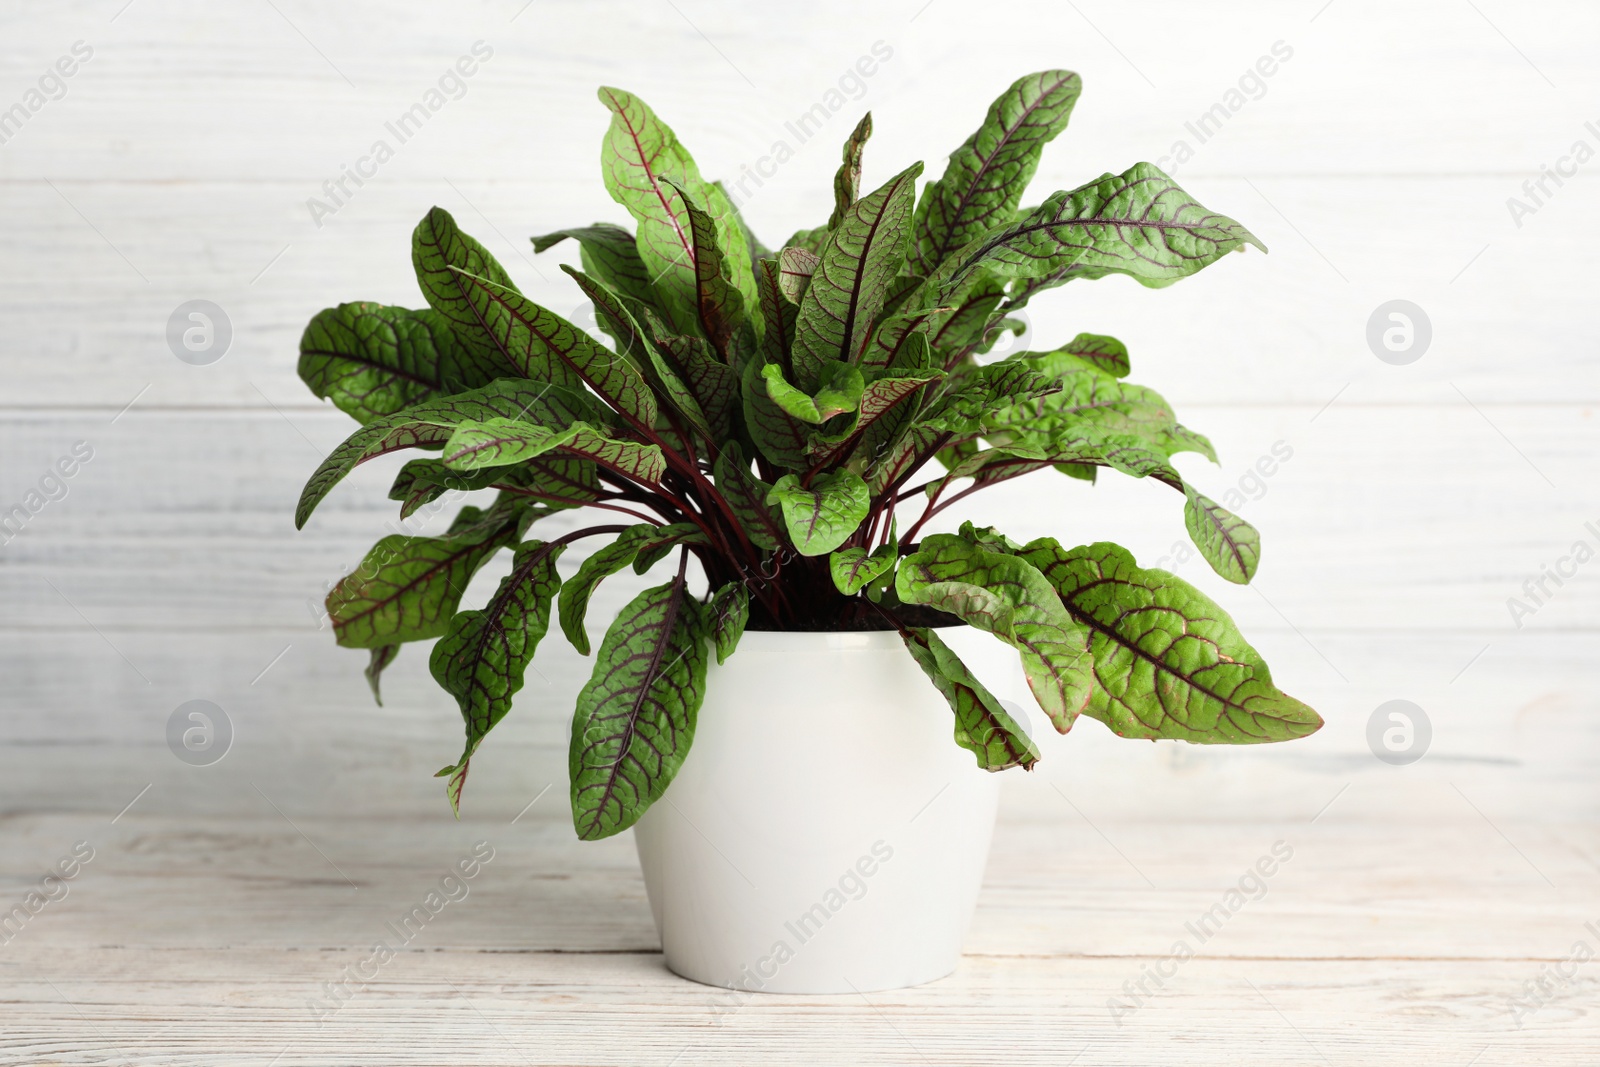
(1138, 223)
(858, 264)
(484, 656)
(1168, 662)
(984, 181)
(636, 716)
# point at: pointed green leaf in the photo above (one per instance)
(778, 311)
(984, 181)
(407, 587)
(441, 253)
(533, 334)
(885, 406)
(727, 613)
(795, 267)
(747, 496)
(498, 442)
(599, 565)
(983, 726)
(1105, 354)
(635, 718)
(430, 424)
(1139, 223)
(853, 569)
(610, 256)
(820, 517)
(839, 387)
(1168, 662)
(847, 181)
(372, 360)
(616, 314)
(556, 481)
(481, 661)
(641, 154)
(782, 438)
(1231, 545)
(1006, 596)
(858, 264)
(720, 307)
(380, 659)
(711, 384)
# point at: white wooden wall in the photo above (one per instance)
(1376, 166)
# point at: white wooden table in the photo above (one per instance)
(1429, 914)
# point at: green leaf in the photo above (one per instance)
(1088, 400)
(839, 388)
(758, 251)
(430, 424)
(747, 496)
(847, 181)
(1105, 354)
(483, 658)
(601, 564)
(609, 255)
(1182, 439)
(796, 265)
(719, 305)
(886, 405)
(499, 442)
(533, 334)
(1168, 662)
(778, 311)
(407, 587)
(984, 181)
(822, 516)
(380, 659)
(781, 438)
(642, 154)
(635, 718)
(614, 313)
(973, 397)
(853, 569)
(859, 263)
(728, 612)
(1231, 545)
(909, 451)
(983, 726)
(442, 255)
(558, 481)
(712, 385)
(372, 360)
(1139, 223)
(1006, 596)
(654, 547)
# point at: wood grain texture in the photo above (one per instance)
(1376, 161)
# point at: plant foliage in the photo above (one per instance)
(769, 415)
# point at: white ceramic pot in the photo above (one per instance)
(825, 833)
